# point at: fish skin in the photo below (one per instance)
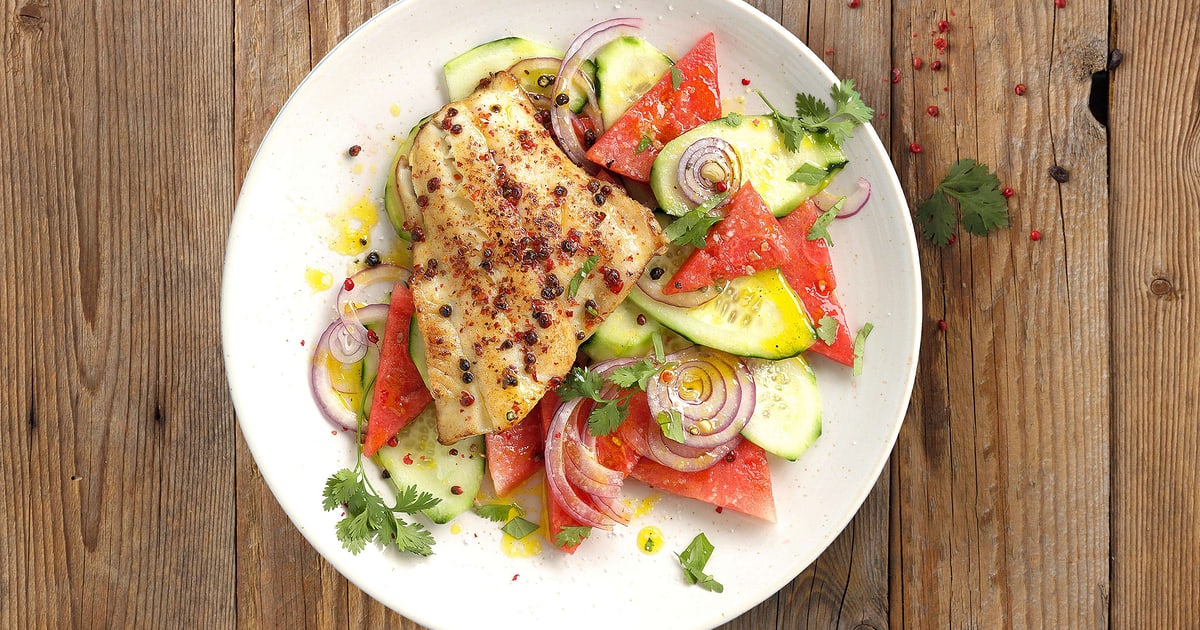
(493, 236)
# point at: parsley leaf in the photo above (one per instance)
(977, 190)
(860, 344)
(820, 228)
(827, 329)
(814, 116)
(369, 519)
(694, 559)
(692, 228)
(584, 271)
(671, 423)
(498, 512)
(733, 119)
(676, 78)
(643, 144)
(519, 528)
(808, 173)
(572, 535)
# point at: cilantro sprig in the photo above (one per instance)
(694, 559)
(827, 329)
(692, 228)
(572, 535)
(608, 413)
(813, 116)
(368, 518)
(977, 190)
(820, 227)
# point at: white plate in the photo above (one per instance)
(371, 89)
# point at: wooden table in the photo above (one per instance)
(1047, 472)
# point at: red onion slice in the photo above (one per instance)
(856, 200)
(713, 391)
(662, 450)
(566, 421)
(584, 46)
(331, 404)
(669, 263)
(707, 167)
(368, 286)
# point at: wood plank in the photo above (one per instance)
(118, 186)
(1155, 254)
(1003, 491)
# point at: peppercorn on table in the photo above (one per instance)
(1046, 474)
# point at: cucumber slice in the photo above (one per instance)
(464, 72)
(450, 473)
(787, 407)
(765, 161)
(416, 350)
(621, 336)
(753, 316)
(398, 175)
(626, 68)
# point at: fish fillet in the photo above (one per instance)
(502, 222)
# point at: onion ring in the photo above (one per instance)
(331, 404)
(707, 167)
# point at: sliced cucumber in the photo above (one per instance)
(765, 161)
(787, 407)
(621, 336)
(464, 72)
(398, 176)
(626, 68)
(416, 350)
(753, 316)
(450, 473)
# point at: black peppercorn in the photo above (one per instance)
(373, 259)
(467, 377)
(1060, 174)
(656, 273)
(530, 337)
(562, 99)
(464, 365)
(445, 310)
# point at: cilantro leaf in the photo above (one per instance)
(671, 423)
(813, 116)
(811, 108)
(860, 345)
(977, 190)
(369, 519)
(820, 228)
(692, 228)
(733, 119)
(519, 528)
(498, 512)
(413, 538)
(643, 144)
(411, 500)
(606, 417)
(790, 128)
(584, 271)
(827, 329)
(808, 173)
(340, 488)
(572, 535)
(638, 373)
(694, 559)
(676, 78)
(659, 353)
(581, 382)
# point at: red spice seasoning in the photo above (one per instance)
(1062, 4)
(408, 460)
(456, 490)
(942, 326)
(933, 111)
(355, 150)
(853, 4)
(1008, 192)
(1035, 235)
(917, 63)
(953, 239)
(895, 75)
(720, 509)
(720, 187)
(348, 284)
(943, 26)
(372, 336)
(915, 147)
(745, 81)
(1019, 90)
(466, 399)
(392, 441)
(940, 44)
(936, 66)
(829, 51)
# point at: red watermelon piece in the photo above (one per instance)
(743, 484)
(809, 271)
(513, 455)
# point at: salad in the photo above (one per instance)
(687, 378)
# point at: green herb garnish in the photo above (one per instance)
(820, 228)
(572, 535)
(977, 190)
(813, 116)
(671, 423)
(827, 329)
(643, 144)
(676, 78)
(498, 512)
(694, 559)
(584, 272)
(368, 518)
(808, 173)
(860, 344)
(692, 228)
(519, 528)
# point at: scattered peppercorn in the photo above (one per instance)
(1115, 57)
(941, 325)
(418, 235)
(355, 150)
(530, 337)
(917, 63)
(562, 99)
(560, 190)
(1035, 235)
(422, 201)
(853, 4)
(943, 26)
(589, 137)
(467, 377)
(1062, 4)
(464, 365)
(433, 184)
(730, 457)
(590, 306)
(456, 129)
(372, 336)
(656, 273)
(641, 319)
(385, 474)
(933, 111)
(606, 189)
(1059, 174)
(941, 44)
(445, 310)
(452, 112)
(915, 147)
(348, 285)
(598, 199)
(580, 335)
(1008, 192)
(936, 65)
(612, 279)
(745, 81)
(392, 441)
(373, 259)
(895, 75)
(506, 344)
(466, 399)
(720, 187)
(1019, 90)
(456, 490)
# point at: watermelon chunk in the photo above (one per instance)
(741, 482)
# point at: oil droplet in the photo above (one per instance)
(526, 547)
(456, 529)
(352, 227)
(317, 279)
(357, 168)
(346, 380)
(650, 540)
(395, 109)
(643, 507)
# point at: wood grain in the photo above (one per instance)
(1046, 475)
(1155, 179)
(114, 405)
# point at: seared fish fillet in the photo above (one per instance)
(502, 222)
